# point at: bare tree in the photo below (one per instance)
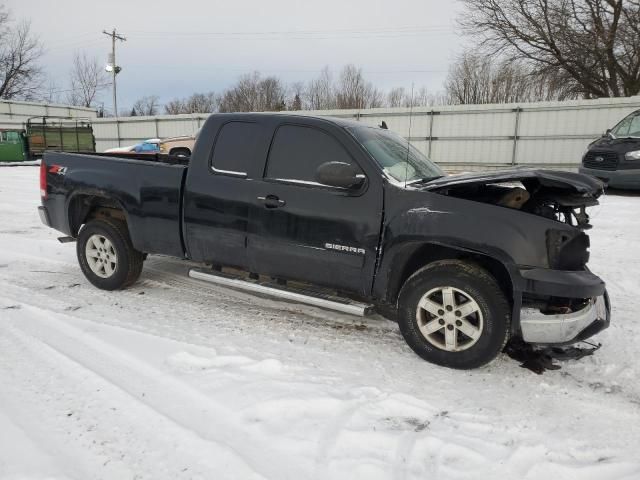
(353, 91)
(20, 51)
(146, 106)
(272, 93)
(395, 97)
(375, 97)
(52, 93)
(591, 45)
(320, 94)
(296, 95)
(175, 107)
(418, 97)
(252, 93)
(201, 103)
(296, 103)
(87, 80)
(196, 103)
(476, 78)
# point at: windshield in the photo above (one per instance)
(398, 158)
(628, 127)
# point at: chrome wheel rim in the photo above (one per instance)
(449, 319)
(101, 256)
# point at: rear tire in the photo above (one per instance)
(106, 255)
(453, 313)
(180, 152)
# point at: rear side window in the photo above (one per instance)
(235, 148)
(297, 152)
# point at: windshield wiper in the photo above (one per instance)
(424, 180)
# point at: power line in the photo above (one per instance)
(79, 89)
(315, 34)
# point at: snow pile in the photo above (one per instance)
(177, 379)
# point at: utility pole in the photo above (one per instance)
(112, 66)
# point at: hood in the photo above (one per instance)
(574, 182)
(618, 145)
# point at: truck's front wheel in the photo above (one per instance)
(106, 256)
(454, 314)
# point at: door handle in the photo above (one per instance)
(272, 201)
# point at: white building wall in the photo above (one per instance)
(461, 137)
(14, 113)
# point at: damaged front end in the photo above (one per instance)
(561, 196)
(561, 301)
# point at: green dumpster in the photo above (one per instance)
(13, 146)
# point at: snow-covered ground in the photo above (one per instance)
(177, 379)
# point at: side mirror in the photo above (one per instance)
(607, 133)
(339, 174)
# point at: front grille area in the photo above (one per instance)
(601, 160)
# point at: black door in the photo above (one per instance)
(220, 191)
(302, 230)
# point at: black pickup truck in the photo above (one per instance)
(348, 217)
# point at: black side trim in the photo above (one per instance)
(561, 283)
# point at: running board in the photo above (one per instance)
(316, 299)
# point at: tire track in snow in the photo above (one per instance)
(169, 397)
(329, 437)
(44, 404)
(221, 308)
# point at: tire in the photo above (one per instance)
(180, 152)
(471, 316)
(106, 255)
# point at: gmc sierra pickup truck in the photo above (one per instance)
(347, 217)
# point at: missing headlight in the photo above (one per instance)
(567, 250)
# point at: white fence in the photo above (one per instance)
(463, 137)
(14, 113)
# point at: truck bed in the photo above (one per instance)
(147, 187)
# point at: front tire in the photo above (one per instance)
(106, 255)
(453, 313)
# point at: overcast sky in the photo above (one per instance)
(175, 48)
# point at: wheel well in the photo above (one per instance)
(429, 253)
(179, 149)
(86, 207)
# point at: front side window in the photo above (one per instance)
(629, 127)
(297, 152)
(395, 155)
(12, 136)
(149, 147)
(235, 148)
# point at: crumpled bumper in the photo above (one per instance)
(565, 329)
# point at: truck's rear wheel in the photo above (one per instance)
(454, 314)
(106, 256)
(180, 152)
